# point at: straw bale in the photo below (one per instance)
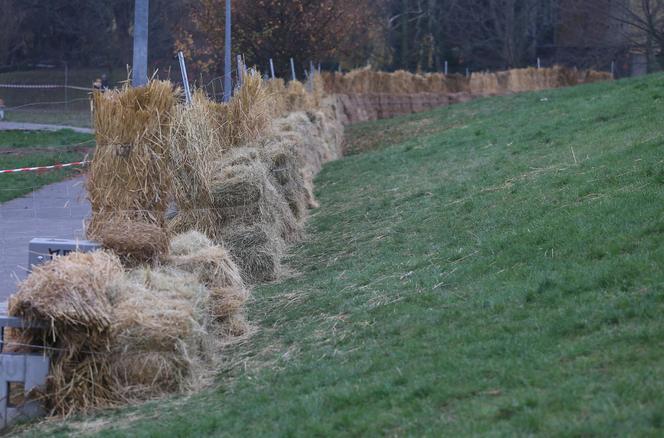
(276, 90)
(297, 98)
(244, 194)
(160, 339)
(284, 165)
(590, 76)
(135, 242)
(257, 250)
(189, 243)
(145, 374)
(247, 116)
(213, 267)
(71, 294)
(238, 185)
(195, 148)
(129, 172)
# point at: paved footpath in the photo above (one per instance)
(55, 211)
(11, 126)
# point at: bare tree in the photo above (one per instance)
(11, 41)
(644, 20)
(502, 31)
(636, 24)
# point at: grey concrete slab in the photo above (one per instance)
(55, 211)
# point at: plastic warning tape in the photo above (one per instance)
(43, 86)
(55, 166)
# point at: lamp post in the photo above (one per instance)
(140, 67)
(228, 68)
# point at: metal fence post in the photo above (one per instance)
(240, 71)
(185, 78)
(272, 68)
(292, 66)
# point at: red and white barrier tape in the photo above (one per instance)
(55, 166)
(44, 86)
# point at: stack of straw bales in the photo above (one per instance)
(521, 80)
(117, 336)
(250, 192)
(150, 315)
(129, 183)
(369, 95)
(367, 81)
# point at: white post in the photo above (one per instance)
(613, 69)
(446, 68)
(292, 66)
(240, 71)
(140, 67)
(539, 63)
(185, 78)
(228, 68)
(467, 72)
(310, 77)
(272, 68)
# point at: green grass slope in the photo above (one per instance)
(489, 268)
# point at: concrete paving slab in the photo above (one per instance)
(55, 211)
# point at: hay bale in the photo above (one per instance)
(284, 165)
(257, 250)
(276, 90)
(148, 374)
(160, 335)
(297, 97)
(213, 267)
(238, 185)
(129, 173)
(245, 194)
(189, 243)
(116, 337)
(195, 148)
(71, 293)
(135, 242)
(247, 116)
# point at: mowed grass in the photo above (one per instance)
(38, 148)
(492, 268)
(72, 117)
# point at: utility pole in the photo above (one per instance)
(140, 67)
(228, 68)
